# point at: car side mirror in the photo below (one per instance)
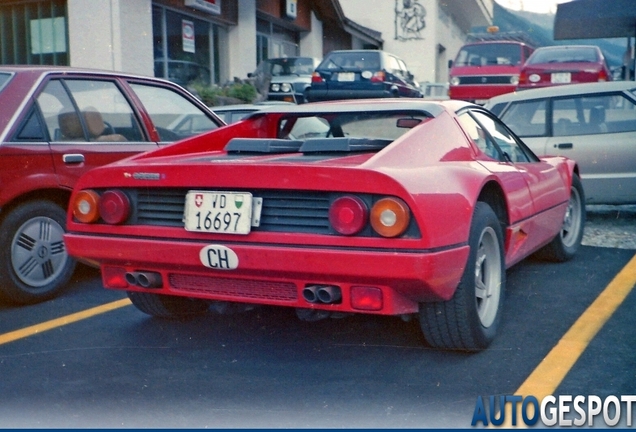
(450, 64)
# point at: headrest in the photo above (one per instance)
(70, 125)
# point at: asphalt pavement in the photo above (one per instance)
(611, 226)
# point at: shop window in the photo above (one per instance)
(34, 33)
(183, 47)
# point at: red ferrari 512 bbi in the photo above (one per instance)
(393, 207)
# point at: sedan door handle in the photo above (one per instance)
(564, 146)
(73, 158)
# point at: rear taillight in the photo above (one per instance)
(316, 78)
(348, 215)
(379, 76)
(114, 207)
(523, 78)
(602, 76)
(390, 217)
(84, 206)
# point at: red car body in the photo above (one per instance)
(484, 69)
(56, 123)
(310, 237)
(564, 64)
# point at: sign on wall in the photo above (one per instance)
(291, 9)
(209, 6)
(187, 35)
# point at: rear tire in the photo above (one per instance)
(564, 246)
(470, 319)
(164, 306)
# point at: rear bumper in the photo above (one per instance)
(277, 275)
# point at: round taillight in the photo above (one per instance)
(114, 207)
(348, 215)
(85, 208)
(390, 217)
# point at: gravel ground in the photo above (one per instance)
(610, 226)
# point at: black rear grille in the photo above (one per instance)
(485, 79)
(283, 211)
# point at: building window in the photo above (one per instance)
(185, 47)
(34, 33)
(273, 41)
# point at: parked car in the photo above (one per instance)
(56, 124)
(356, 74)
(396, 207)
(488, 67)
(286, 78)
(564, 64)
(233, 113)
(593, 123)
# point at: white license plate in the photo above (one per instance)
(221, 212)
(561, 78)
(346, 76)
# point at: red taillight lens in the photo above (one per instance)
(114, 207)
(348, 215)
(602, 75)
(316, 78)
(523, 78)
(366, 298)
(379, 76)
(84, 206)
(390, 217)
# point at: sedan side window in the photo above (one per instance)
(526, 119)
(104, 114)
(611, 113)
(174, 116)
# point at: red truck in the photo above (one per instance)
(488, 66)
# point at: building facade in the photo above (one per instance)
(214, 41)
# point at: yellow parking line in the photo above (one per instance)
(547, 376)
(59, 322)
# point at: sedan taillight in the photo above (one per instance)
(316, 78)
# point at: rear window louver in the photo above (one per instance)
(317, 145)
(311, 145)
(262, 145)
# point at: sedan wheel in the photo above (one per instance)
(567, 242)
(34, 263)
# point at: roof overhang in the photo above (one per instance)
(595, 19)
(468, 13)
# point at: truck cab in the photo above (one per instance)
(487, 67)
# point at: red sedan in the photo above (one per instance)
(564, 64)
(56, 123)
(392, 207)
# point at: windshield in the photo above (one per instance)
(291, 66)
(489, 54)
(377, 125)
(564, 55)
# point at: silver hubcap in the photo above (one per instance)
(572, 220)
(38, 254)
(488, 277)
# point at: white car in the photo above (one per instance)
(593, 123)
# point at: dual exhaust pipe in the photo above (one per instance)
(144, 279)
(326, 294)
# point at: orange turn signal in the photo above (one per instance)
(390, 217)
(85, 207)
